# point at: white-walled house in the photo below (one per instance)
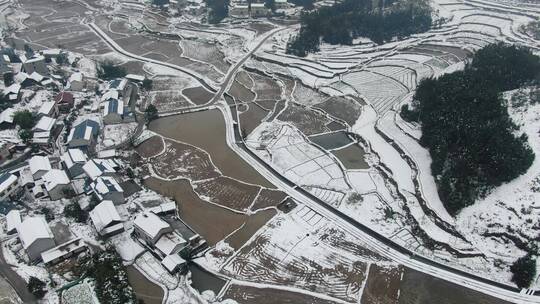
(36, 236)
(9, 184)
(113, 111)
(73, 161)
(57, 183)
(107, 188)
(13, 220)
(39, 165)
(106, 219)
(149, 227)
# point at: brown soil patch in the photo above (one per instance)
(342, 108)
(198, 95)
(306, 120)
(249, 295)
(241, 93)
(181, 160)
(212, 222)
(268, 198)
(150, 147)
(382, 286)
(228, 192)
(168, 100)
(250, 119)
(265, 87)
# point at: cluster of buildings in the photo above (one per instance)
(69, 163)
(254, 9)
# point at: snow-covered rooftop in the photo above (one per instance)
(150, 223)
(7, 115)
(169, 242)
(39, 163)
(104, 215)
(97, 167)
(13, 220)
(106, 184)
(55, 177)
(32, 229)
(7, 180)
(45, 124)
(46, 107)
(171, 262)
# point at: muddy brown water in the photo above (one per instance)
(253, 223)
(144, 289)
(420, 288)
(206, 130)
(352, 157)
(331, 140)
(203, 280)
(212, 222)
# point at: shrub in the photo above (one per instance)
(37, 287)
(524, 271)
(108, 70)
(74, 211)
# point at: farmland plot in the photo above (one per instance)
(227, 192)
(308, 121)
(345, 109)
(205, 52)
(265, 87)
(183, 161)
(304, 250)
(287, 150)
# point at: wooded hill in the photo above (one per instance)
(466, 126)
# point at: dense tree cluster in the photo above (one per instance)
(466, 126)
(218, 10)
(37, 287)
(350, 19)
(108, 70)
(110, 275)
(524, 271)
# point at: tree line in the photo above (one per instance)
(466, 126)
(380, 21)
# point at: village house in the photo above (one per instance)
(107, 188)
(281, 4)
(83, 135)
(64, 101)
(259, 10)
(76, 82)
(9, 185)
(239, 11)
(6, 118)
(36, 236)
(63, 251)
(34, 64)
(39, 165)
(13, 93)
(113, 111)
(149, 227)
(13, 220)
(43, 129)
(106, 219)
(170, 243)
(57, 184)
(73, 161)
(174, 263)
(99, 167)
(48, 108)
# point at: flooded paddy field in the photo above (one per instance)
(306, 120)
(144, 289)
(151, 147)
(206, 130)
(250, 119)
(198, 95)
(241, 93)
(420, 288)
(331, 141)
(254, 222)
(249, 295)
(345, 109)
(352, 157)
(212, 222)
(203, 280)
